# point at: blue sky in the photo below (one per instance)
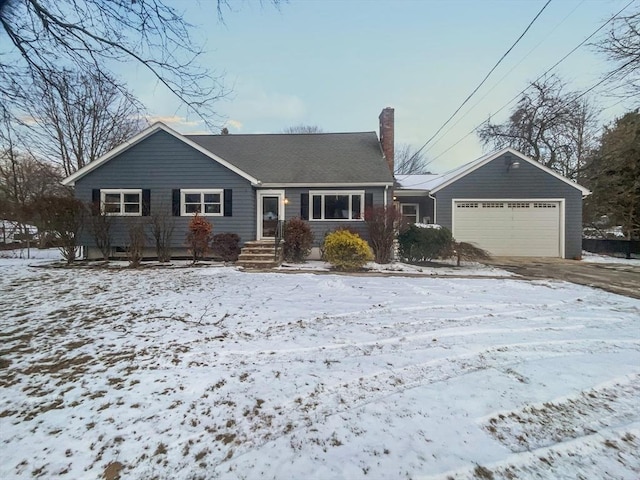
(336, 64)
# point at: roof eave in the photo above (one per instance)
(498, 153)
(325, 184)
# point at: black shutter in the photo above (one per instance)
(304, 206)
(228, 203)
(175, 202)
(146, 202)
(368, 200)
(95, 201)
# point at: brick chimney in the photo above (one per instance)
(386, 136)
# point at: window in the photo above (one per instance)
(409, 213)
(205, 202)
(126, 202)
(337, 205)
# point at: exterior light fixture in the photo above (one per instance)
(511, 163)
(286, 201)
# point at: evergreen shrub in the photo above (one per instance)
(346, 250)
(421, 243)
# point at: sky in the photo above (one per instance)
(337, 64)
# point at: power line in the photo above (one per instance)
(484, 79)
(506, 75)
(539, 77)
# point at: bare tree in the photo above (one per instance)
(409, 161)
(555, 127)
(79, 117)
(23, 178)
(301, 128)
(89, 36)
(622, 47)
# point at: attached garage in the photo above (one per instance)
(527, 228)
(504, 202)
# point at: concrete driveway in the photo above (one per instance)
(613, 277)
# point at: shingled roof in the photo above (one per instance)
(303, 159)
(280, 159)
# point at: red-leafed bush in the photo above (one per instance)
(199, 237)
(226, 246)
(297, 240)
(382, 222)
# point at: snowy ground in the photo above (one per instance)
(595, 258)
(215, 373)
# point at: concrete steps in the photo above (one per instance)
(259, 254)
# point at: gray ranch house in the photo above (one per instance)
(503, 202)
(243, 184)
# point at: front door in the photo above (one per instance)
(270, 210)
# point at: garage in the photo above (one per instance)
(505, 202)
(528, 228)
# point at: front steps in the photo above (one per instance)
(260, 254)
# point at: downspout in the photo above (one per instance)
(386, 193)
(435, 210)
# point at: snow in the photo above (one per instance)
(212, 372)
(595, 258)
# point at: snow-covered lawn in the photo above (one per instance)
(215, 373)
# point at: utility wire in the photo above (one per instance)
(542, 75)
(505, 76)
(483, 80)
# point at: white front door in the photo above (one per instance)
(270, 211)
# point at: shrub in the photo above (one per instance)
(136, 244)
(465, 251)
(297, 240)
(226, 246)
(381, 225)
(421, 243)
(64, 218)
(346, 250)
(100, 227)
(162, 226)
(199, 237)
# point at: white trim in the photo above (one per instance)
(260, 194)
(561, 213)
(201, 192)
(489, 158)
(411, 193)
(122, 192)
(326, 185)
(417, 205)
(71, 179)
(349, 193)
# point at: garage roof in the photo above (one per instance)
(434, 183)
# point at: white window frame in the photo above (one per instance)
(202, 192)
(122, 192)
(416, 205)
(323, 193)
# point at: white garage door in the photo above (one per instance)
(509, 228)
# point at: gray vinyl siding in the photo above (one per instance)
(162, 163)
(494, 181)
(321, 227)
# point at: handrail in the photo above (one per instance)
(278, 238)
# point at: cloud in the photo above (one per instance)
(235, 124)
(174, 121)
